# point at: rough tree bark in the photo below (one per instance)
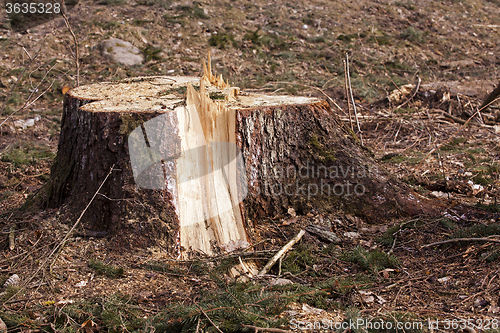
(198, 161)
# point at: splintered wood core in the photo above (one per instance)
(209, 210)
(207, 186)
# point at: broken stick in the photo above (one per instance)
(281, 252)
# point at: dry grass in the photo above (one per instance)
(257, 45)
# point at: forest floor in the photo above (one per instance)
(428, 134)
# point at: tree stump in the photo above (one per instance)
(197, 162)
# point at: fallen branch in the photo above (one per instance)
(12, 239)
(452, 117)
(262, 329)
(281, 252)
(29, 101)
(456, 240)
(198, 326)
(75, 55)
(321, 91)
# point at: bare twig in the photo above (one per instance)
(452, 117)
(75, 55)
(63, 242)
(12, 239)
(19, 79)
(491, 280)
(393, 245)
(210, 320)
(472, 296)
(426, 125)
(28, 103)
(461, 127)
(347, 94)
(352, 98)
(456, 240)
(282, 252)
(321, 91)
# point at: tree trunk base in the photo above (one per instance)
(197, 162)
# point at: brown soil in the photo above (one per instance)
(280, 48)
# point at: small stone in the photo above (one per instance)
(121, 51)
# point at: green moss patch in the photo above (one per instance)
(26, 153)
(324, 155)
(372, 261)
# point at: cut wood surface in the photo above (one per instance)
(198, 162)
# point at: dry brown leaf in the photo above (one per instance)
(290, 221)
(89, 326)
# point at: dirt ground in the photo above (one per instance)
(419, 71)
